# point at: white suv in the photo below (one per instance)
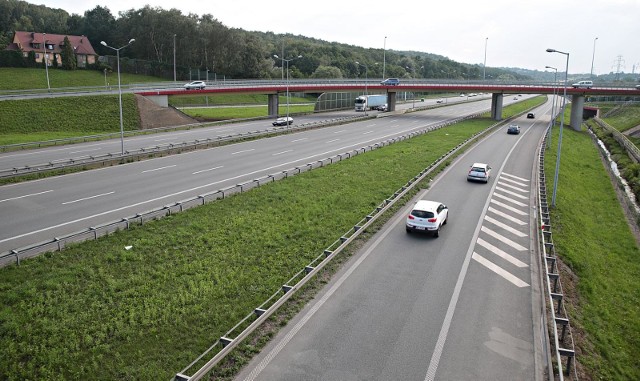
(583, 85)
(427, 216)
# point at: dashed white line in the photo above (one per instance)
(502, 238)
(86, 150)
(26, 195)
(506, 216)
(504, 226)
(88, 198)
(511, 201)
(280, 153)
(243, 151)
(158, 169)
(502, 254)
(367, 132)
(299, 140)
(334, 140)
(207, 170)
(499, 270)
(514, 194)
(337, 132)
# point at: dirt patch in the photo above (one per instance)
(153, 116)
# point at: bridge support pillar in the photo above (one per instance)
(273, 105)
(160, 100)
(391, 101)
(496, 106)
(577, 106)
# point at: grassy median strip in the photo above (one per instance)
(593, 239)
(99, 309)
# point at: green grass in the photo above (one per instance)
(232, 99)
(36, 78)
(99, 309)
(625, 120)
(53, 118)
(592, 237)
(223, 113)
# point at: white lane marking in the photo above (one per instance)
(507, 216)
(207, 170)
(287, 338)
(504, 226)
(158, 169)
(514, 176)
(162, 140)
(299, 140)
(499, 270)
(86, 150)
(512, 193)
(243, 151)
(504, 184)
(49, 150)
(504, 239)
(280, 153)
(511, 201)
(334, 140)
(26, 195)
(502, 254)
(367, 132)
(88, 198)
(337, 132)
(508, 180)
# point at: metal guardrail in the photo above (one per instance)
(249, 323)
(621, 138)
(58, 243)
(164, 148)
(562, 344)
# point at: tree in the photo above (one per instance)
(327, 72)
(68, 56)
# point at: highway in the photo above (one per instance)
(35, 157)
(464, 306)
(52, 207)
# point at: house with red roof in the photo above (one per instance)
(47, 46)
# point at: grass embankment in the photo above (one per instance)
(36, 78)
(97, 309)
(26, 121)
(593, 239)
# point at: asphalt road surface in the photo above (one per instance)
(464, 306)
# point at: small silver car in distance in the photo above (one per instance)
(195, 85)
(479, 172)
(287, 120)
(427, 216)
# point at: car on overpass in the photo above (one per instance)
(390, 82)
(195, 85)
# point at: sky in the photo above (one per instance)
(512, 33)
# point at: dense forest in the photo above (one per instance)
(204, 43)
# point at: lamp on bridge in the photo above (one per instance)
(119, 88)
(553, 104)
(564, 102)
(366, 79)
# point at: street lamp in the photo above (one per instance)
(593, 56)
(174, 57)
(384, 58)
(564, 101)
(287, 61)
(44, 59)
(484, 66)
(366, 79)
(553, 104)
(119, 89)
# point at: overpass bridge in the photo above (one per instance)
(498, 90)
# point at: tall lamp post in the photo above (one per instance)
(593, 56)
(484, 66)
(553, 104)
(366, 79)
(564, 102)
(174, 57)
(119, 89)
(384, 57)
(287, 63)
(44, 59)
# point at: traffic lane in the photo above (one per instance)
(383, 320)
(500, 289)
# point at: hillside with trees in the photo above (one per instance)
(204, 43)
